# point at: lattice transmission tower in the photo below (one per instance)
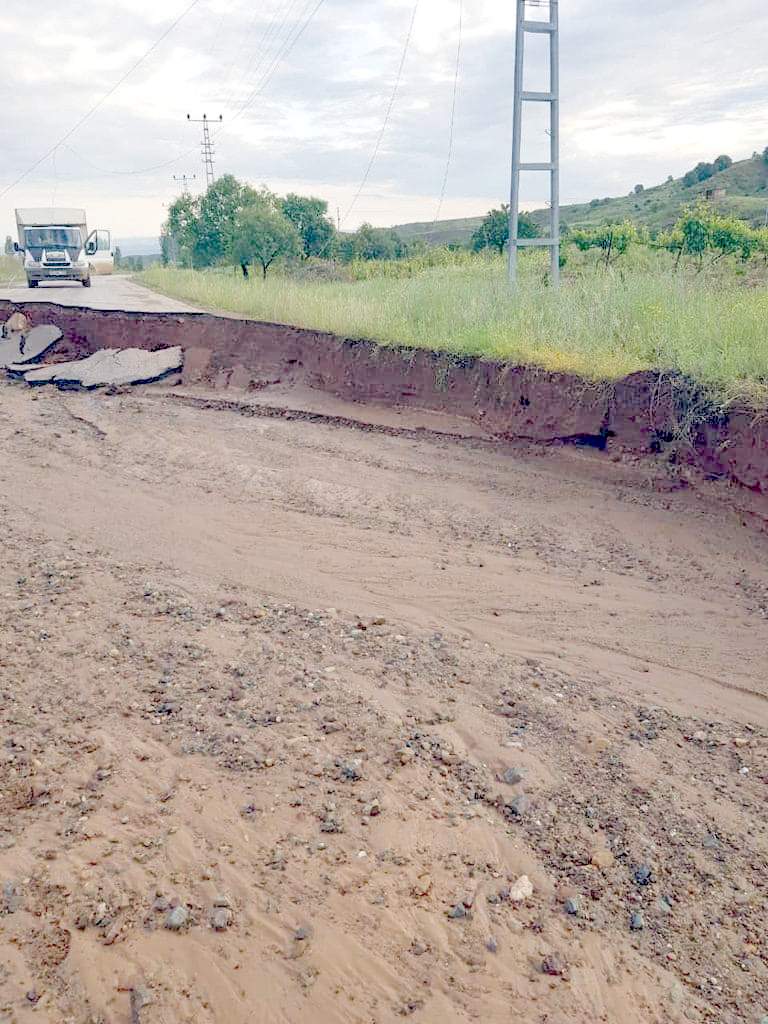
(207, 146)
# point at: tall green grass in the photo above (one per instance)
(601, 324)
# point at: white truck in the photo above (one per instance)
(56, 246)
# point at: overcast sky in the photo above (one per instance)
(648, 89)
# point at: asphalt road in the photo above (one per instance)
(108, 292)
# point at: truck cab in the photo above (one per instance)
(57, 246)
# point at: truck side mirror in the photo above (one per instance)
(90, 248)
(17, 247)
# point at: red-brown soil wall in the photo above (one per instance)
(639, 413)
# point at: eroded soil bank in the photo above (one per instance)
(641, 413)
(310, 725)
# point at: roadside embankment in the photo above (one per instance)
(642, 413)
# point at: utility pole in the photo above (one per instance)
(549, 27)
(184, 179)
(207, 146)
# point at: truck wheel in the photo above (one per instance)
(87, 282)
(33, 284)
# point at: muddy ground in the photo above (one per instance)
(288, 710)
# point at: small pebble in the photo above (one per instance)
(512, 776)
(636, 922)
(458, 911)
(643, 875)
(177, 918)
(573, 906)
(554, 965)
(221, 919)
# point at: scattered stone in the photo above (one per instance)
(221, 918)
(177, 918)
(457, 912)
(405, 755)
(160, 905)
(418, 948)
(519, 806)
(512, 776)
(573, 906)
(643, 874)
(603, 859)
(11, 898)
(554, 965)
(521, 890)
(711, 842)
(422, 885)
(663, 905)
(492, 945)
(636, 922)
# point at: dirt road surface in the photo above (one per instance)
(113, 291)
(302, 723)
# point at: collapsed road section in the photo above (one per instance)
(645, 413)
(22, 346)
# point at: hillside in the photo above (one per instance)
(746, 196)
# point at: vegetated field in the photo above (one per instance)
(11, 269)
(745, 184)
(601, 324)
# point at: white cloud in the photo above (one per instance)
(648, 89)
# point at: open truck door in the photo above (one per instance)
(99, 253)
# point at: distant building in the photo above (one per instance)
(712, 195)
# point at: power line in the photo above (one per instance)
(280, 19)
(388, 114)
(288, 45)
(100, 102)
(453, 114)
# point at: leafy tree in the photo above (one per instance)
(182, 224)
(638, 189)
(722, 163)
(8, 245)
(493, 233)
(309, 216)
(765, 154)
(219, 208)
(370, 243)
(263, 234)
(700, 172)
(612, 239)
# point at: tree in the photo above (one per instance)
(765, 154)
(262, 234)
(722, 163)
(8, 245)
(493, 233)
(218, 210)
(612, 239)
(638, 189)
(309, 216)
(370, 243)
(700, 172)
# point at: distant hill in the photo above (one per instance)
(138, 246)
(746, 195)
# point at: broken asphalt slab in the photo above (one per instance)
(25, 347)
(109, 367)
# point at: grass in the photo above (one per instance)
(602, 325)
(11, 270)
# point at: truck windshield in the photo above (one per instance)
(44, 238)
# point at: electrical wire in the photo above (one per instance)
(388, 114)
(453, 115)
(102, 100)
(280, 19)
(288, 44)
